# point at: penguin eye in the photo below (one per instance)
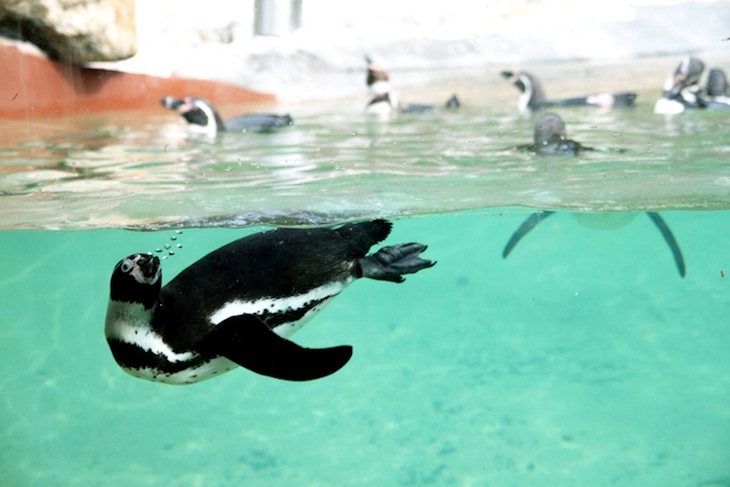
(126, 266)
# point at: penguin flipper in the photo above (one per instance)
(247, 341)
(524, 229)
(391, 262)
(671, 241)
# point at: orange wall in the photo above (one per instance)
(33, 86)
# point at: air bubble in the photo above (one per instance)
(158, 250)
(167, 246)
(179, 246)
(171, 252)
(174, 237)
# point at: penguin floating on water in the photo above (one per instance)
(532, 96)
(682, 88)
(716, 90)
(202, 117)
(383, 101)
(551, 139)
(237, 305)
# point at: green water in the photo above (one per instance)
(581, 359)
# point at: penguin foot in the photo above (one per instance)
(389, 263)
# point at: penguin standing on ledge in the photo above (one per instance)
(237, 305)
(532, 96)
(203, 118)
(551, 140)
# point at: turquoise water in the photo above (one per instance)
(581, 359)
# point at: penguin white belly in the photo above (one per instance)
(204, 371)
(665, 106)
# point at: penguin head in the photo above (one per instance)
(137, 279)
(549, 127)
(716, 83)
(686, 75)
(198, 112)
(532, 95)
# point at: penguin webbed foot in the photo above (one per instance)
(247, 341)
(391, 262)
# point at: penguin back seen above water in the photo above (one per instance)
(532, 95)
(202, 117)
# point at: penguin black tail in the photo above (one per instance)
(361, 236)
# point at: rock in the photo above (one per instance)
(75, 31)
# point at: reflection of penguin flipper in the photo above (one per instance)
(671, 241)
(247, 341)
(524, 229)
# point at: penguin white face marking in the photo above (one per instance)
(132, 266)
(209, 128)
(526, 95)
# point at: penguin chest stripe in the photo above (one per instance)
(274, 305)
(150, 341)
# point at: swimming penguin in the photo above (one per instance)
(383, 101)
(682, 89)
(202, 117)
(716, 90)
(535, 218)
(237, 305)
(551, 139)
(532, 96)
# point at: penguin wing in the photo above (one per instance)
(247, 341)
(526, 227)
(671, 241)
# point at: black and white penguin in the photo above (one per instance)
(682, 88)
(601, 220)
(237, 305)
(716, 90)
(384, 101)
(550, 139)
(532, 96)
(202, 117)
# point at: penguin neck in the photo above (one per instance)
(122, 317)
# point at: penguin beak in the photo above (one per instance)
(149, 265)
(176, 104)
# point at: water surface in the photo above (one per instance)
(581, 359)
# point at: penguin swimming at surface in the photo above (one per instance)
(682, 89)
(203, 118)
(532, 96)
(550, 139)
(384, 101)
(237, 305)
(716, 90)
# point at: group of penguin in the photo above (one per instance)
(238, 305)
